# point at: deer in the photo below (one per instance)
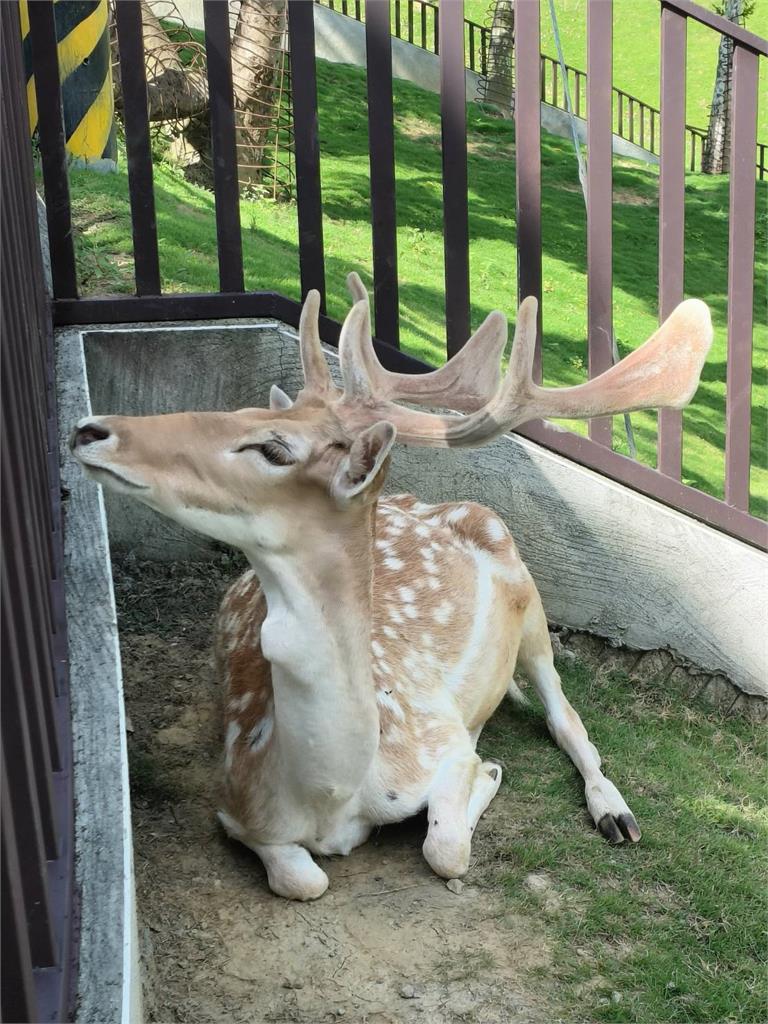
(372, 638)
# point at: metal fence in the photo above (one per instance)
(732, 514)
(37, 823)
(417, 22)
(633, 119)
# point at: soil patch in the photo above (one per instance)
(388, 943)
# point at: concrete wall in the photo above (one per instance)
(108, 979)
(606, 559)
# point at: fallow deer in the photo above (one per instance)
(374, 637)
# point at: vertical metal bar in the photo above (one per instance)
(653, 130)
(484, 50)
(632, 119)
(671, 211)
(19, 999)
(133, 81)
(741, 256)
(471, 46)
(600, 200)
(555, 70)
(45, 65)
(225, 179)
(378, 43)
(309, 201)
(410, 21)
(424, 27)
(621, 114)
(642, 126)
(528, 159)
(436, 24)
(453, 119)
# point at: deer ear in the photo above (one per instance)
(360, 468)
(278, 399)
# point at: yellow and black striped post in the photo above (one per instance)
(85, 71)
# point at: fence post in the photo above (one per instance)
(453, 119)
(528, 159)
(741, 256)
(599, 200)
(381, 151)
(671, 211)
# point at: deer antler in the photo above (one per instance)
(662, 373)
(467, 380)
(317, 376)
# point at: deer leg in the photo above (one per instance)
(291, 872)
(606, 804)
(461, 791)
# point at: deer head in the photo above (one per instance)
(241, 476)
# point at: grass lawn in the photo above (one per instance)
(186, 227)
(675, 925)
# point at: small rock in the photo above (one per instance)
(455, 885)
(175, 736)
(407, 992)
(128, 724)
(616, 998)
(293, 983)
(537, 883)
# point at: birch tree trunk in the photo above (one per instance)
(500, 82)
(717, 146)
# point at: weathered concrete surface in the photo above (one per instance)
(108, 982)
(606, 559)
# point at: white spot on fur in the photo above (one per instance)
(433, 521)
(388, 701)
(411, 611)
(407, 594)
(233, 732)
(394, 614)
(483, 604)
(457, 514)
(383, 667)
(393, 563)
(433, 583)
(443, 612)
(422, 531)
(388, 631)
(377, 649)
(495, 530)
(383, 545)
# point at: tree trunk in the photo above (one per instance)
(500, 82)
(256, 57)
(174, 92)
(717, 146)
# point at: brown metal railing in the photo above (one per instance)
(664, 483)
(633, 119)
(36, 818)
(418, 22)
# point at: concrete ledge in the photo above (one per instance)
(606, 559)
(108, 984)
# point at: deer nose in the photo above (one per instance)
(88, 433)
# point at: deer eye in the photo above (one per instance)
(273, 452)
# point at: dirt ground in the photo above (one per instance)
(388, 943)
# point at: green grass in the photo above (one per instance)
(676, 924)
(636, 50)
(186, 227)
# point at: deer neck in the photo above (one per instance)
(317, 638)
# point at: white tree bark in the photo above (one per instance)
(717, 147)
